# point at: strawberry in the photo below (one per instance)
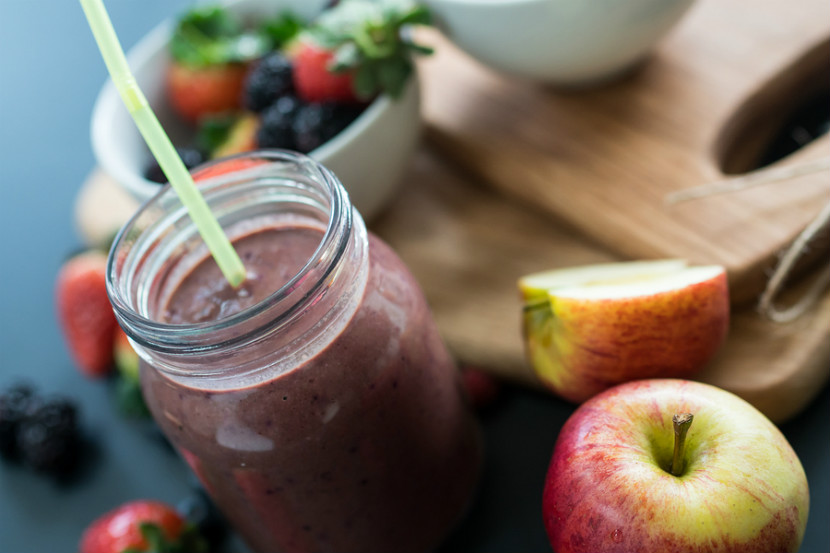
(85, 314)
(314, 81)
(210, 53)
(141, 526)
(357, 50)
(225, 166)
(198, 91)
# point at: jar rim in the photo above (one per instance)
(169, 337)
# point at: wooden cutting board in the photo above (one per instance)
(468, 245)
(603, 160)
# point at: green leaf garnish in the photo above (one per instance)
(370, 37)
(211, 35)
(282, 29)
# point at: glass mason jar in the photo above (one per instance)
(316, 403)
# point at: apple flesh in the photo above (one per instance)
(609, 487)
(589, 328)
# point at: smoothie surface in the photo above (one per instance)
(272, 257)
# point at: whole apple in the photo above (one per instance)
(589, 328)
(738, 487)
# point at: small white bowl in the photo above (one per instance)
(561, 42)
(369, 156)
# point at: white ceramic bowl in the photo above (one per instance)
(369, 156)
(562, 42)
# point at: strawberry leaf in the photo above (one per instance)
(365, 82)
(153, 535)
(371, 38)
(418, 15)
(190, 541)
(392, 75)
(346, 57)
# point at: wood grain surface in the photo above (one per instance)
(603, 160)
(467, 246)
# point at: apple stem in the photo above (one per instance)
(681, 422)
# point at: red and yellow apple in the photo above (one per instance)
(589, 328)
(609, 488)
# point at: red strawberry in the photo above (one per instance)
(313, 79)
(367, 46)
(140, 525)
(85, 314)
(198, 91)
(224, 167)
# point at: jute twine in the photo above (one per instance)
(787, 260)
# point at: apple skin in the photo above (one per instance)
(579, 347)
(743, 488)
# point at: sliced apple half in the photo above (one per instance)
(592, 327)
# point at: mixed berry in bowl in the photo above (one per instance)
(280, 82)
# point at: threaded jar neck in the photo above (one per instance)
(245, 192)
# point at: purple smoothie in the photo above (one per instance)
(365, 445)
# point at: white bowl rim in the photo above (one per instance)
(108, 97)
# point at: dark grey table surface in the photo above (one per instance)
(50, 73)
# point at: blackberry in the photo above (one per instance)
(287, 105)
(48, 437)
(308, 128)
(316, 124)
(15, 404)
(191, 157)
(269, 79)
(276, 129)
(338, 117)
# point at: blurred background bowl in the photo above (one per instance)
(561, 42)
(369, 156)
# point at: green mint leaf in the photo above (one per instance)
(211, 21)
(282, 29)
(212, 36)
(197, 33)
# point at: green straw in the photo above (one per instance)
(161, 147)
